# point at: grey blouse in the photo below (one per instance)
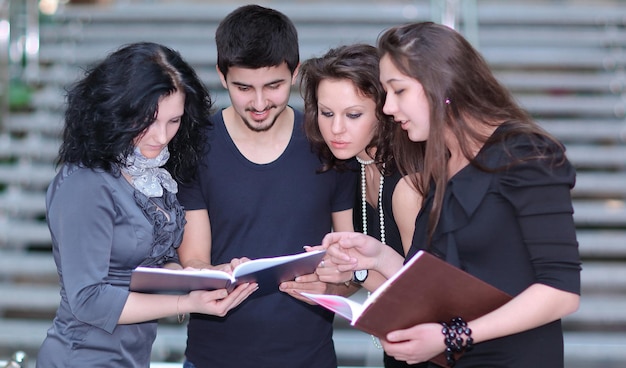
(102, 228)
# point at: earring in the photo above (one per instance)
(447, 101)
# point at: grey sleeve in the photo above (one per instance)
(81, 216)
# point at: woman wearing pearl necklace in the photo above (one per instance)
(497, 204)
(344, 120)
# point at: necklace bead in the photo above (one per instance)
(381, 215)
(364, 162)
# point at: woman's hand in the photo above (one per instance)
(352, 251)
(234, 263)
(216, 302)
(416, 344)
(327, 270)
(173, 266)
(356, 251)
(306, 283)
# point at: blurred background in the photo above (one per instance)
(564, 60)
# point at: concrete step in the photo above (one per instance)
(602, 244)
(603, 278)
(33, 146)
(584, 130)
(490, 13)
(205, 12)
(558, 58)
(29, 298)
(605, 312)
(563, 82)
(18, 234)
(574, 34)
(540, 13)
(18, 266)
(45, 123)
(593, 184)
(543, 105)
(600, 214)
(610, 157)
(27, 175)
(23, 204)
(499, 57)
(595, 349)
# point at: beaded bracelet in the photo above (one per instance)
(453, 338)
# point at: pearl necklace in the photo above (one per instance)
(381, 215)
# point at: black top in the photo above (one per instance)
(392, 236)
(511, 228)
(262, 211)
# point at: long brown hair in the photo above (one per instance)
(358, 64)
(460, 88)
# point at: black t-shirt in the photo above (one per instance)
(261, 211)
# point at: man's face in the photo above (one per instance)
(260, 95)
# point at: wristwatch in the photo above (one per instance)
(359, 276)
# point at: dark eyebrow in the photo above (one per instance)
(392, 80)
(275, 82)
(240, 84)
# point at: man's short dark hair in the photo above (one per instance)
(256, 37)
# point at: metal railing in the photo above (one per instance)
(19, 47)
(5, 36)
(461, 15)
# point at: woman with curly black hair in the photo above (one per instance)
(131, 128)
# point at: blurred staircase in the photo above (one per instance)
(565, 61)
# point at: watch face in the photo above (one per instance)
(360, 275)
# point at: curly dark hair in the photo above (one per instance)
(358, 64)
(118, 99)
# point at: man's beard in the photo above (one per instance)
(260, 129)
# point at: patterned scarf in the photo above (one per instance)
(147, 175)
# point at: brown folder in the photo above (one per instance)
(425, 289)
